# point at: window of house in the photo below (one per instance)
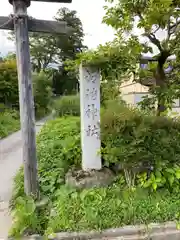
(138, 97)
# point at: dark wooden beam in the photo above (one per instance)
(35, 25)
(52, 1)
(28, 2)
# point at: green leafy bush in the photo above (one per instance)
(133, 138)
(42, 94)
(58, 148)
(27, 220)
(109, 91)
(9, 83)
(68, 105)
(9, 94)
(162, 176)
(130, 139)
(9, 122)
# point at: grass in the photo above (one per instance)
(67, 105)
(95, 209)
(103, 208)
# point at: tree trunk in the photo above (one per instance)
(161, 80)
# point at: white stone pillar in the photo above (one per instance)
(90, 117)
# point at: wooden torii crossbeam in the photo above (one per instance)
(36, 25)
(21, 24)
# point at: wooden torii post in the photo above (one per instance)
(20, 22)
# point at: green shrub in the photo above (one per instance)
(9, 122)
(68, 105)
(58, 148)
(9, 83)
(129, 138)
(109, 91)
(27, 221)
(161, 177)
(42, 94)
(134, 140)
(9, 94)
(132, 137)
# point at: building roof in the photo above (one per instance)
(154, 58)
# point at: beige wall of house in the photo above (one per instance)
(133, 92)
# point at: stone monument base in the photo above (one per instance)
(87, 179)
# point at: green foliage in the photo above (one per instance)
(112, 59)
(48, 50)
(103, 208)
(162, 177)
(26, 218)
(65, 82)
(9, 122)
(109, 91)
(9, 94)
(129, 138)
(71, 44)
(58, 148)
(150, 17)
(9, 83)
(42, 93)
(135, 140)
(67, 105)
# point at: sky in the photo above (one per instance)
(90, 12)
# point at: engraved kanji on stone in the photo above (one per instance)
(93, 131)
(91, 111)
(91, 76)
(91, 94)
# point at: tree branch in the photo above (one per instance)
(154, 40)
(156, 30)
(174, 26)
(168, 30)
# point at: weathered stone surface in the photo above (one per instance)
(90, 117)
(164, 231)
(81, 179)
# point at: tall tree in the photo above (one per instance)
(73, 44)
(69, 46)
(48, 48)
(150, 16)
(44, 50)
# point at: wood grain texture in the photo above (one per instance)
(26, 100)
(35, 25)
